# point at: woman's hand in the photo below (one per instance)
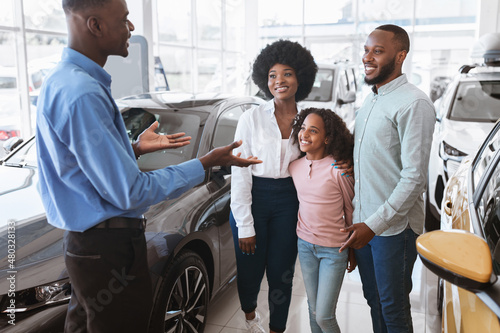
(247, 245)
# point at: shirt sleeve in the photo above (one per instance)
(346, 185)
(241, 182)
(97, 147)
(415, 129)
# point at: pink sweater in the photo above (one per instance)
(325, 201)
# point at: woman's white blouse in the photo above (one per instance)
(261, 137)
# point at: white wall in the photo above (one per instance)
(488, 17)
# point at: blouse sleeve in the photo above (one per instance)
(241, 182)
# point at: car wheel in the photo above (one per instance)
(431, 223)
(182, 300)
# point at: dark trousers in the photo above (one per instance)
(274, 209)
(111, 286)
(385, 266)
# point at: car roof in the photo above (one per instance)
(482, 76)
(173, 100)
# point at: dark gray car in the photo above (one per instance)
(190, 246)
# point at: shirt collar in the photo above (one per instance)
(90, 66)
(391, 86)
(269, 108)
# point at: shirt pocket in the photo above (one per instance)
(379, 133)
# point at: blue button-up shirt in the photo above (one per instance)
(393, 135)
(87, 167)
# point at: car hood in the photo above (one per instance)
(19, 198)
(465, 136)
(23, 216)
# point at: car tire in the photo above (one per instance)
(431, 223)
(182, 300)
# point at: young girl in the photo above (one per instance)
(325, 206)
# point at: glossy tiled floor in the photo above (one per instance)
(352, 311)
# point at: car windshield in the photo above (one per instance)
(477, 101)
(322, 87)
(25, 156)
(137, 120)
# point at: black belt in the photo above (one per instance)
(122, 222)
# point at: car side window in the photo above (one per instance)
(343, 85)
(322, 87)
(486, 155)
(226, 125)
(351, 79)
(137, 120)
(490, 217)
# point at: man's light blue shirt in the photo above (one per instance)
(393, 135)
(87, 167)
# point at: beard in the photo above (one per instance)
(385, 72)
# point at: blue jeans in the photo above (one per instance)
(385, 266)
(274, 209)
(323, 271)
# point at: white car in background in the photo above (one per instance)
(465, 114)
(335, 88)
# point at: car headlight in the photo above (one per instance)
(449, 152)
(32, 298)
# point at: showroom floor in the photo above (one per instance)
(353, 313)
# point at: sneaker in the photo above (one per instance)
(254, 325)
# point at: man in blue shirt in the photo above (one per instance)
(393, 135)
(90, 183)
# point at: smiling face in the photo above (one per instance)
(282, 82)
(116, 27)
(312, 137)
(382, 58)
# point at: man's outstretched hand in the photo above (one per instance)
(149, 141)
(223, 156)
(361, 235)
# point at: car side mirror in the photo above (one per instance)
(457, 256)
(349, 98)
(11, 144)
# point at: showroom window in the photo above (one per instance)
(441, 33)
(209, 34)
(37, 47)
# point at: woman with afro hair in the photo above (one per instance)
(325, 207)
(264, 202)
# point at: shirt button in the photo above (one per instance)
(359, 140)
(356, 161)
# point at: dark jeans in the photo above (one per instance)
(111, 286)
(274, 209)
(385, 266)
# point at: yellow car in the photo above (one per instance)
(465, 253)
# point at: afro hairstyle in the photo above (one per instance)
(289, 53)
